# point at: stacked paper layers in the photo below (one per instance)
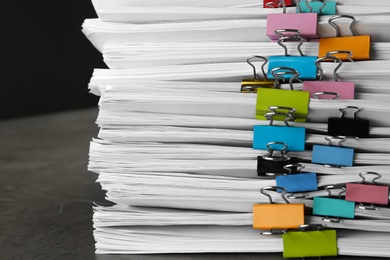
(174, 150)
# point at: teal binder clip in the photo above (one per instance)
(298, 181)
(333, 156)
(304, 65)
(293, 137)
(320, 7)
(333, 207)
(310, 241)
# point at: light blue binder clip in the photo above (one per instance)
(320, 7)
(333, 207)
(304, 65)
(333, 156)
(297, 182)
(293, 137)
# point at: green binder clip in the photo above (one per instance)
(281, 98)
(333, 207)
(308, 242)
(251, 85)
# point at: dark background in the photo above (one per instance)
(46, 191)
(46, 61)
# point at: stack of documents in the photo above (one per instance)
(175, 147)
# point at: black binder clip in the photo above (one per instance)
(348, 126)
(272, 165)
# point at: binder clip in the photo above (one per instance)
(280, 98)
(276, 3)
(271, 164)
(251, 85)
(329, 89)
(333, 207)
(277, 218)
(310, 241)
(305, 23)
(348, 126)
(332, 156)
(358, 45)
(319, 6)
(368, 193)
(304, 65)
(297, 181)
(292, 137)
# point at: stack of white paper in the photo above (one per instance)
(124, 56)
(174, 151)
(229, 30)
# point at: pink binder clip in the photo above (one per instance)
(368, 193)
(305, 23)
(330, 89)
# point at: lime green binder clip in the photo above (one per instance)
(312, 243)
(282, 98)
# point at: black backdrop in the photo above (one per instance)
(46, 61)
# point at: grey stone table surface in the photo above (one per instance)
(46, 192)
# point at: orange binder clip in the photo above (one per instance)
(359, 46)
(277, 218)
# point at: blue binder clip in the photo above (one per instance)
(333, 156)
(297, 181)
(304, 65)
(333, 207)
(320, 7)
(292, 137)
(271, 164)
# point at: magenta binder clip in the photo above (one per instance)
(330, 89)
(368, 193)
(305, 23)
